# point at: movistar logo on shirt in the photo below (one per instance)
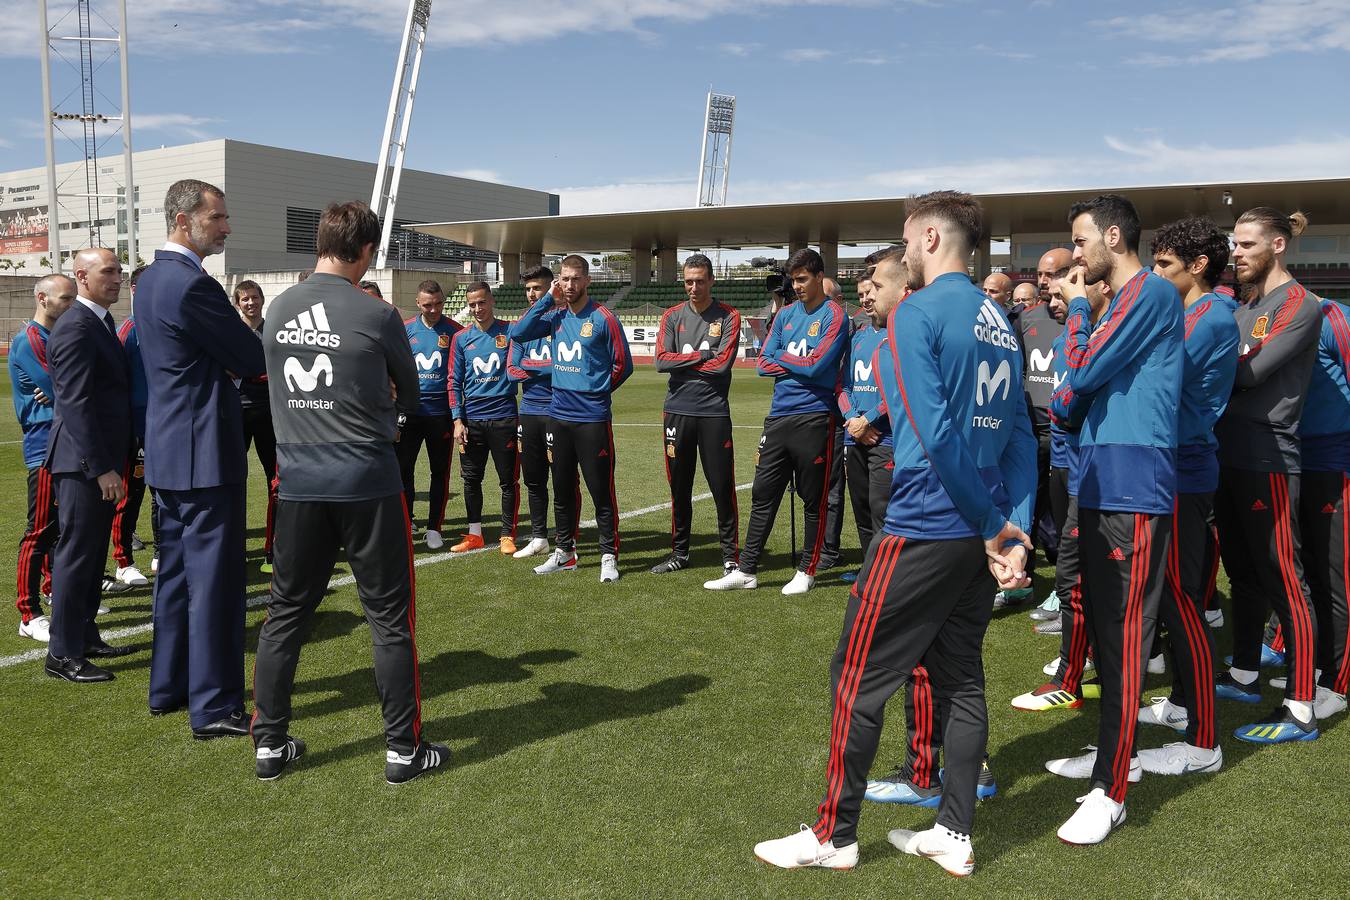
(569, 352)
(487, 366)
(1041, 361)
(862, 371)
(991, 384)
(992, 328)
(798, 348)
(309, 329)
(429, 363)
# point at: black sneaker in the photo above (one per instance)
(672, 564)
(113, 586)
(426, 758)
(271, 763)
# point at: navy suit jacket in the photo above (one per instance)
(91, 420)
(191, 340)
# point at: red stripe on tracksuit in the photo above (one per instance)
(1197, 644)
(872, 595)
(1300, 617)
(515, 480)
(613, 495)
(664, 453)
(1343, 674)
(1277, 639)
(736, 509)
(922, 742)
(122, 551)
(30, 606)
(1071, 673)
(1283, 316)
(1132, 681)
(1077, 357)
(823, 515)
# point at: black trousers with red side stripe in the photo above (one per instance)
(1326, 544)
(37, 544)
(800, 446)
(589, 445)
(495, 438)
(1123, 557)
(532, 439)
(376, 536)
(915, 603)
(868, 471)
(834, 503)
(129, 509)
(437, 432)
(1074, 636)
(1183, 612)
(923, 730)
(1260, 543)
(690, 440)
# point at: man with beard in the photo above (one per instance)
(1123, 385)
(964, 478)
(1260, 463)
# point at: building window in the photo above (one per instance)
(1319, 243)
(302, 230)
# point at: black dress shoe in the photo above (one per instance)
(104, 650)
(235, 725)
(76, 669)
(167, 710)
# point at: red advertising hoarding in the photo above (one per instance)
(23, 230)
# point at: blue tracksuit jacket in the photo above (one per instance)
(802, 354)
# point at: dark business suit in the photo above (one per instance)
(192, 341)
(91, 431)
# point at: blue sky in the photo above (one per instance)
(601, 100)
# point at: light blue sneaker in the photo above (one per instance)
(895, 788)
(1048, 609)
(1280, 727)
(1270, 658)
(1012, 598)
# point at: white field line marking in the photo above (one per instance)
(261, 599)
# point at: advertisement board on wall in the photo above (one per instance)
(23, 230)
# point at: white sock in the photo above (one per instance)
(1301, 710)
(1243, 676)
(476, 529)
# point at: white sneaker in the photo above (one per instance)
(1157, 665)
(1181, 759)
(533, 548)
(1097, 816)
(943, 846)
(802, 849)
(38, 628)
(560, 561)
(800, 584)
(1081, 766)
(609, 568)
(434, 540)
(154, 563)
(733, 580)
(1214, 618)
(1327, 703)
(1163, 711)
(131, 575)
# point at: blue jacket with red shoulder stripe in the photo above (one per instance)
(1325, 427)
(1211, 339)
(29, 372)
(479, 386)
(803, 354)
(531, 365)
(431, 349)
(964, 451)
(860, 394)
(590, 356)
(1123, 383)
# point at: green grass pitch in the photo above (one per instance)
(610, 740)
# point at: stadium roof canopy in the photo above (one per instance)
(847, 222)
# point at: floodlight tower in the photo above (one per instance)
(714, 167)
(389, 168)
(88, 46)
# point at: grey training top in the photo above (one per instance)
(332, 352)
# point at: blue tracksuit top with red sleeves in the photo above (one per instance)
(964, 451)
(28, 372)
(860, 394)
(1325, 427)
(479, 386)
(1063, 441)
(431, 350)
(1211, 339)
(590, 357)
(531, 366)
(1123, 383)
(802, 354)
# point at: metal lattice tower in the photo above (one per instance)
(90, 49)
(714, 168)
(389, 168)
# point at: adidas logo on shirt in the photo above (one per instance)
(992, 328)
(309, 329)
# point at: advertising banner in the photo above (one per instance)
(23, 230)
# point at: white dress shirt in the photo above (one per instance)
(186, 251)
(96, 309)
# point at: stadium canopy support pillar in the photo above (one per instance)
(982, 259)
(829, 253)
(510, 268)
(531, 260)
(796, 242)
(666, 265)
(642, 264)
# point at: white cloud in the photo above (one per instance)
(742, 50)
(1237, 32)
(172, 123)
(808, 54)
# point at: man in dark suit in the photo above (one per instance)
(193, 345)
(91, 431)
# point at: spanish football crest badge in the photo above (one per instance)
(443, 341)
(502, 342)
(814, 330)
(670, 450)
(587, 329)
(715, 330)
(1259, 329)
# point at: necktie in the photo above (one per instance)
(108, 320)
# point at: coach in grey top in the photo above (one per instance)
(333, 353)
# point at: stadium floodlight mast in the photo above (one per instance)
(714, 166)
(389, 167)
(87, 45)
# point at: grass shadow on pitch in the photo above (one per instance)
(565, 707)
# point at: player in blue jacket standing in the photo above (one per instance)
(531, 366)
(960, 503)
(590, 362)
(30, 381)
(483, 406)
(803, 352)
(1124, 385)
(429, 333)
